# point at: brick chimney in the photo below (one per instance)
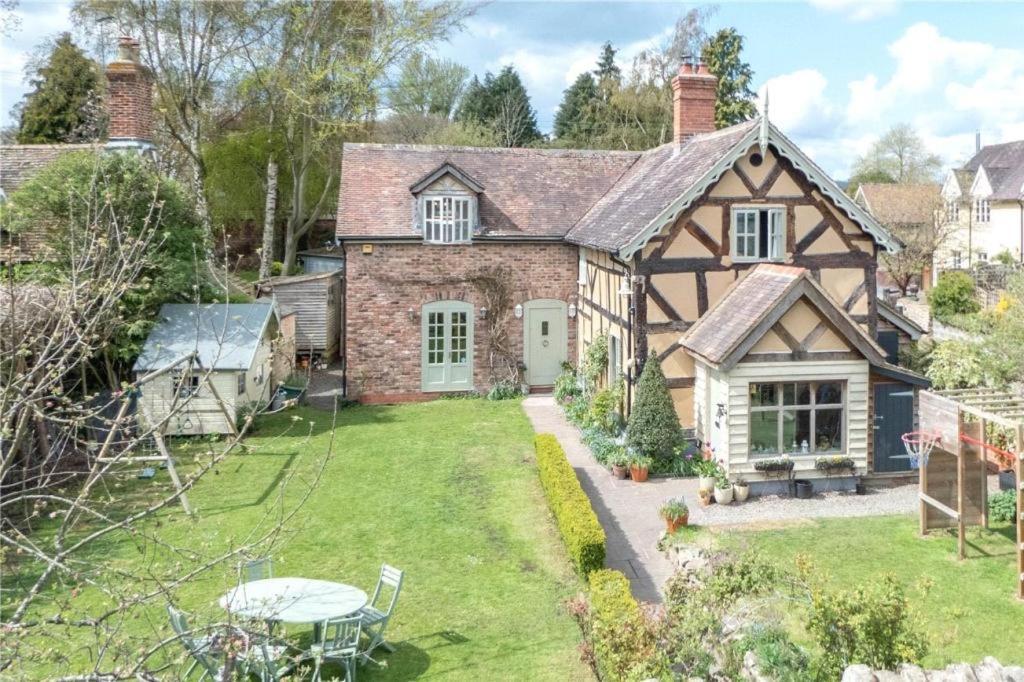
(129, 99)
(693, 102)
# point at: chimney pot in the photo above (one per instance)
(129, 97)
(694, 92)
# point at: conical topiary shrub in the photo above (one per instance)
(653, 425)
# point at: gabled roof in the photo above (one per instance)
(19, 162)
(530, 193)
(224, 335)
(1004, 165)
(727, 332)
(447, 168)
(670, 178)
(901, 204)
(899, 320)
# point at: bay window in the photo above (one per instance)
(758, 233)
(447, 219)
(796, 418)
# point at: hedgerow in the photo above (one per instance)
(581, 531)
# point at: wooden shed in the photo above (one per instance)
(317, 299)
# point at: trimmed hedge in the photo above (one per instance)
(624, 640)
(581, 531)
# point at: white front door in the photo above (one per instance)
(544, 341)
(447, 346)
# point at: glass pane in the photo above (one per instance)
(828, 430)
(762, 395)
(764, 433)
(544, 328)
(796, 430)
(459, 341)
(829, 394)
(796, 394)
(435, 338)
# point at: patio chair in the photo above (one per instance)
(270, 661)
(339, 643)
(200, 649)
(257, 569)
(377, 614)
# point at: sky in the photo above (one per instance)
(838, 72)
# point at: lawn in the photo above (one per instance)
(970, 611)
(446, 490)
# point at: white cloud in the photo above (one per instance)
(857, 10)
(39, 21)
(797, 103)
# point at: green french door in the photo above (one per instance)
(447, 346)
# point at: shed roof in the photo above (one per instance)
(225, 336)
(753, 304)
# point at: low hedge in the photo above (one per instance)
(624, 641)
(581, 531)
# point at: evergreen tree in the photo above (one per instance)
(606, 67)
(735, 101)
(575, 119)
(653, 424)
(63, 103)
(502, 103)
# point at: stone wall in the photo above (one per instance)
(989, 670)
(383, 343)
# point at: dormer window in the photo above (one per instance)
(447, 219)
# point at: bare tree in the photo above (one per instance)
(63, 452)
(920, 241)
(512, 121)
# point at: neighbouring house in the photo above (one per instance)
(642, 247)
(984, 201)
(904, 208)
(234, 347)
(129, 103)
(317, 301)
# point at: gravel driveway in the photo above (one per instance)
(878, 502)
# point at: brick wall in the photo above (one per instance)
(383, 358)
(694, 92)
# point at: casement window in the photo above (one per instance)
(956, 260)
(952, 211)
(981, 211)
(582, 279)
(758, 233)
(241, 383)
(184, 386)
(802, 418)
(982, 256)
(447, 219)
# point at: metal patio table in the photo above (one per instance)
(300, 601)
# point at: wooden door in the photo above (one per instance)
(894, 416)
(447, 346)
(544, 347)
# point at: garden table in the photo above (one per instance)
(294, 600)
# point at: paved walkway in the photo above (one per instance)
(628, 511)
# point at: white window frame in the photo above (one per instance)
(982, 211)
(178, 386)
(750, 217)
(780, 408)
(953, 211)
(582, 278)
(956, 259)
(983, 256)
(447, 218)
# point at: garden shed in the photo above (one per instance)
(317, 299)
(232, 345)
(326, 259)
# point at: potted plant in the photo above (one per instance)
(705, 497)
(706, 469)
(638, 468)
(620, 462)
(833, 465)
(741, 489)
(676, 513)
(723, 489)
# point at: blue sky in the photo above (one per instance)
(839, 72)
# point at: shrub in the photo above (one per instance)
(567, 385)
(954, 293)
(595, 363)
(777, 656)
(603, 447)
(654, 428)
(871, 625)
(1002, 506)
(956, 364)
(581, 531)
(505, 389)
(624, 639)
(605, 409)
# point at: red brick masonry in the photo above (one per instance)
(383, 344)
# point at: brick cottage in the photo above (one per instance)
(468, 267)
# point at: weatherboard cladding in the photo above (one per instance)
(314, 298)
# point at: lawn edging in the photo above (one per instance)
(581, 531)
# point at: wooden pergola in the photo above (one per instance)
(963, 450)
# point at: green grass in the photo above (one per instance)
(446, 490)
(970, 611)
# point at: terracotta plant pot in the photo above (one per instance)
(638, 474)
(741, 492)
(706, 483)
(723, 495)
(672, 525)
(618, 471)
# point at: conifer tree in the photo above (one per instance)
(63, 105)
(606, 67)
(653, 424)
(502, 103)
(575, 120)
(735, 99)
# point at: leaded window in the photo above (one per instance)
(796, 418)
(447, 219)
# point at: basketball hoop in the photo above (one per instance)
(919, 445)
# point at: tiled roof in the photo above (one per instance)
(750, 300)
(19, 162)
(529, 192)
(1004, 164)
(902, 204)
(660, 177)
